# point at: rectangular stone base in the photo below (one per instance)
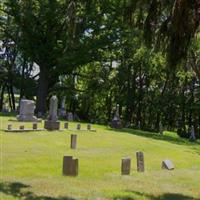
(49, 125)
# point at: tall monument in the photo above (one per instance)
(116, 121)
(51, 123)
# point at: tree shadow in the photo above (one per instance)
(165, 196)
(15, 189)
(157, 136)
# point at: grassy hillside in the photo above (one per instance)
(31, 165)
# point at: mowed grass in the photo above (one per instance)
(31, 165)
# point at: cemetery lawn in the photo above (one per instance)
(31, 165)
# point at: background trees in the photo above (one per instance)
(143, 55)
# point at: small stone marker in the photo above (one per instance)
(140, 161)
(126, 166)
(73, 141)
(21, 127)
(34, 126)
(66, 125)
(78, 127)
(9, 127)
(89, 127)
(70, 166)
(167, 164)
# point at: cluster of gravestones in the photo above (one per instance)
(71, 165)
(26, 114)
(35, 128)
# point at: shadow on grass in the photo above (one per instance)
(166, 196)
(15, 189)
(157, 136)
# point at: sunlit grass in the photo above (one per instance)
(35, 160)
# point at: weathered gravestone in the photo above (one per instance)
(161, 128)
(192, 134)
(51, 123)
(21, 127)
(78, 127)
(70, 166)
(89, 127)
(9, 127)
(116, 121)
(125, 166)
(26, 111)
(70, 116)
(140, 161)
(35, 126)
(62, 111)
(167, 164)
(66, 125)
(73, 141)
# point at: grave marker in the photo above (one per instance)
(126, 166)
(70, 166)
(73, 141)
(167, 164)
(140, 161)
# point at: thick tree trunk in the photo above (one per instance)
(42, 91)
(2, 97)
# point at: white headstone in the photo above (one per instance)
(26, 111)
(167, 164)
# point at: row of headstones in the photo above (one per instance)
(71, 165)
(35, 126)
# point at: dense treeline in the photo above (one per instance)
(142, 55)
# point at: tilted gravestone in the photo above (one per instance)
(26, 112)
(70, 166)
(125, 166)
(51, 123)
(73, 141)
(167, 164)
(140, 161)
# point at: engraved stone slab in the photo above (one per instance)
(73, 141)
(125, 166)
(70, 166)
(140, 161)
(167, 164)
(49, 125)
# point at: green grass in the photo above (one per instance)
(31, 165)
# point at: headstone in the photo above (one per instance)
(34, 126)
(139, 125)
(70, 166)
(66, 125)
(116, 121)
(167, 164)
(51, 123)
(89, 127)
(192, 135)
(126, 166)
(78, 127)
(140, 161)
(73, 141)
(21, 127)
(26, 111)
(70, 116)
(9, 127)
(62, 111)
